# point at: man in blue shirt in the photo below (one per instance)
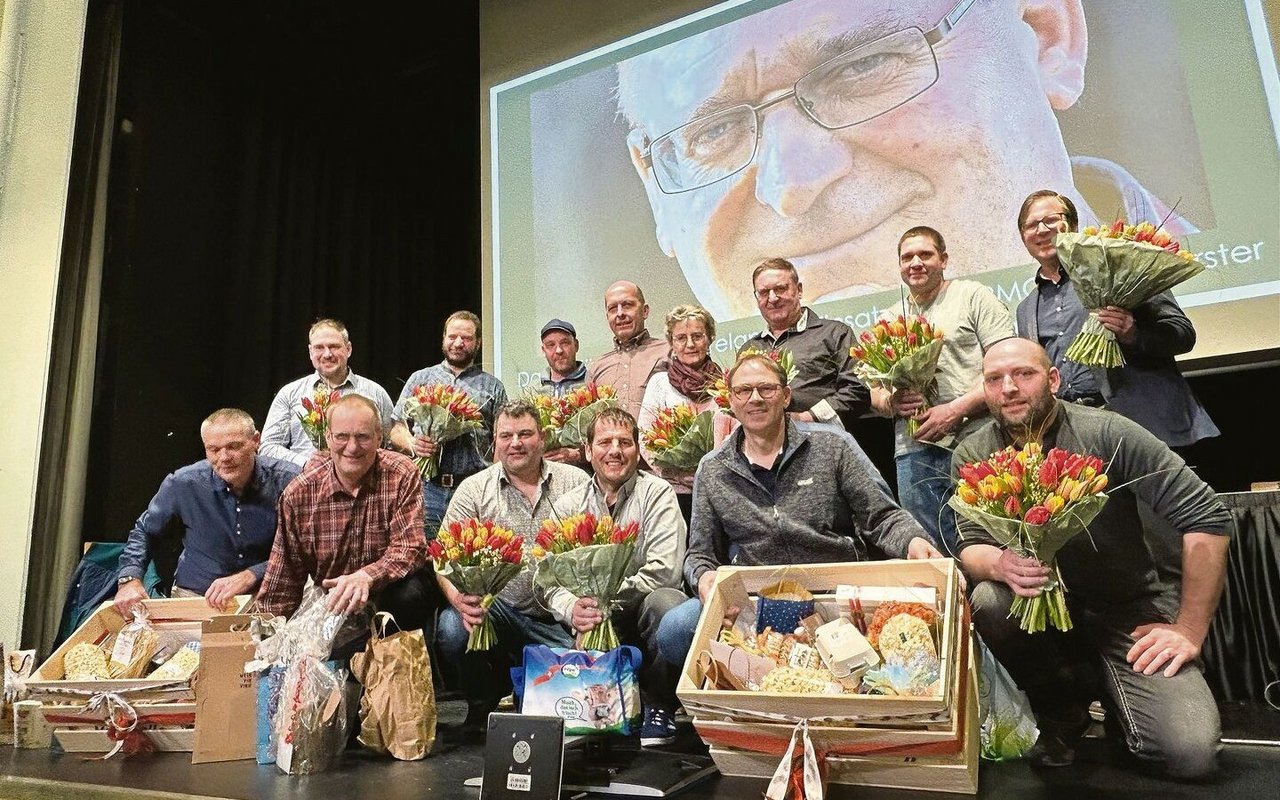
(227, 507)
(470, 452)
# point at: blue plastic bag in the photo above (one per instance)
(593, 692)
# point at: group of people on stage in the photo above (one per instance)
(787, 484)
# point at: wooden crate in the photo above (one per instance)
(906, 760)
(747, 706)
(166, 740)
(181, 614)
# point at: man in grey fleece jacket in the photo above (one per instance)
(773, 494)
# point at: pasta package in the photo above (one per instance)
(85, 662)
(181, 665)
(134, 646)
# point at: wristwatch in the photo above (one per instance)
(122, 580)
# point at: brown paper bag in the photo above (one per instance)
(226, 695)
(398, 708)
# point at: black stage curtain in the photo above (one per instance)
(274, 163)
(1242, 653)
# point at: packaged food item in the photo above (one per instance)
(181, 665)
(911, 664)
(845, 651)
(134, 646)
(782, 605)
(790, 680)
(886, 611)
(85, 662)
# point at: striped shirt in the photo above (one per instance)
(324, 531)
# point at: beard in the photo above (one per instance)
(465, 361)
(1039, 414)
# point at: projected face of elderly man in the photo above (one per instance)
(820, 129)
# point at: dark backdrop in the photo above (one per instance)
(276, 162)
(273, 163)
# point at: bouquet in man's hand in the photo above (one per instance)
(1119, 265)
(679, 437)
(719, 388)
(442, 412)
(589, 557)
(565, 419)
(314, 415)
(1033, 502)
(478, 558)
(900, 353)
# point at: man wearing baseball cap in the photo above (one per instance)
(564, 372)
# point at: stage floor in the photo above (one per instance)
(1100, 772)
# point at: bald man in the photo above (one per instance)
(1137, 640)
(635, 353)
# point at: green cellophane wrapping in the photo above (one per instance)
(597, 571)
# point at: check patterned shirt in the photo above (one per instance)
(469, 453)
(324, 531)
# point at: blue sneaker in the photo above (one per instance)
(659, 728)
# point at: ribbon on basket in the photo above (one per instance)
(798, 775)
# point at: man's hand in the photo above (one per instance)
(1024, 576)
(564, 455)
(469, 608)
(1120, 322)
(705, 582)
(905, 403)
(223, 590)
(802, 416)
(922, 548)
(127, 596)
(1160, 645)
(348, 593)
(586, 614)
(424, 446)
(938, 421)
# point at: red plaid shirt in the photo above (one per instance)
(323, 531)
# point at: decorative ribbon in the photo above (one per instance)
(798, 776)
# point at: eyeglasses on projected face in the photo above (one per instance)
(856, 86)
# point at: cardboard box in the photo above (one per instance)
(226, 705)
(907, 742)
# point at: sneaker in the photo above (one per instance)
(659, 728)
(1051, 751)
(1097, 712)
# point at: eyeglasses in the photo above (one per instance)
(856, 86)
(767, 391)
(1050, 222)
(362, 439)
(696, 338)
(776, 291)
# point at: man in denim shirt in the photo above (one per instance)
(227, 507)
(469, 453)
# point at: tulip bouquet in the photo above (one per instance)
(1119, 265)
(680, 437)
(314, 415)
(719, 388)
(900, 353)
(479, 558)
(1033, 502)
(565, 419)
(589, 557)
(442, 412)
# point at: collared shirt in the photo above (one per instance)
(659, 555)
(825, 384)
(282, 433)
(1059, 317)
(490, 495)
(627, 368)
(559, 388)
(324, 531)
(222, 533)
(469, 453)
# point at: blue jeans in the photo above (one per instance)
(481, 683)
(435, 499)
(675, 632)
(924, 486)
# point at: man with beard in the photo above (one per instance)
(824, 388)
(635, 353)
(469, 453)
(1139, 637)
(564, 373)
(517, 492)
(329, 348)
(226, 505)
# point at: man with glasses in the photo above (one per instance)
(517, 492)
(819, 129)
(352, 522)
(1148, 389)
(776, 494)
(329, 348)
(825, 388)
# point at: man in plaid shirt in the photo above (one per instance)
(352, 521)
